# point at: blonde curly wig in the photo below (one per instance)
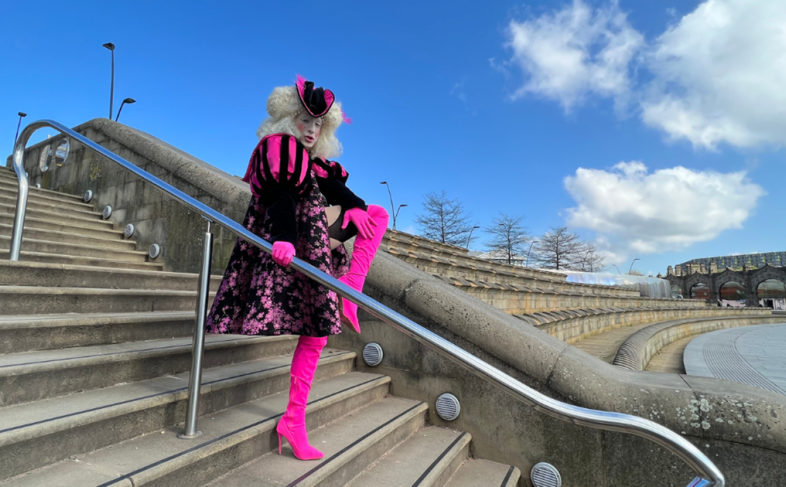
(284, 107)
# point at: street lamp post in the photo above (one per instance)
(631, 264)
(618, 269)
(396, 215)
(127, 100)
(111, 47)
(21, 116)
(470, 235)
(530, 250)
(392, 207)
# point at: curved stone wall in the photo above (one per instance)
(638, 349)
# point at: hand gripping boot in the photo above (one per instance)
(363, 254)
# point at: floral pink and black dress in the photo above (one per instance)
(290, 191)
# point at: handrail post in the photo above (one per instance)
(21, 198)
(195, 378)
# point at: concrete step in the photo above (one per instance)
(104, 232)
(483, 473)
(64, 275)
(350, 445)
(52, 206)
(70, 237)
(43, 257)
(32, 376)
(10, 185)
(68, 218)
(33, 300)
(48, 332)
(76, 250)
(431, 456)
(35, 195)
(231, 437)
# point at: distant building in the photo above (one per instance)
(734, 280)
(737, 262)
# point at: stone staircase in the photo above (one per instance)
(95, 350)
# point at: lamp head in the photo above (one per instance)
(403, 204)
(109, 46)
(22, 114)
(384, 182)
(129, 101)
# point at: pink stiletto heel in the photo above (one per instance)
(292, 425)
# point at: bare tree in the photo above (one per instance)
(590, 260)
(559, 249)
(444, 220)
(509, 236)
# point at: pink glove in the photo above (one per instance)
(283, 252)
(362, 221)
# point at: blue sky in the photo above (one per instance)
(495, 102)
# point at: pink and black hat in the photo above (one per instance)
(316, 101)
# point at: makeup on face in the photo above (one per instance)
(309, 129)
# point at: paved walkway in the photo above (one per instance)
(669, 358)
(751, 355)
(605, 345)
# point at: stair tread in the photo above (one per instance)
(77, 267)
(54, 205)
(25, 362)
(86, 319)
(24, 254)
(484, 473)
(339, 441)
(27, 420)
(38, 290)
(150, 456)
(13, 182)
(6, 239)
(420, 453)
(39, 223)
(70, 216)
(58, 233)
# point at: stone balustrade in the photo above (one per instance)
(406, 240)
(521, 300)
(574, 325)
(464, 267)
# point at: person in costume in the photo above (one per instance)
(301, 204)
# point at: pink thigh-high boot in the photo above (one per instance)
(293, 423)
(363, 254)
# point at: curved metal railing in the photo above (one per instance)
(710, 475)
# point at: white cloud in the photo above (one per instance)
(719, 75)
(635, 211)
(574, 52)
(715, 76)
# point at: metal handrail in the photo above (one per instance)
(603, 420)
